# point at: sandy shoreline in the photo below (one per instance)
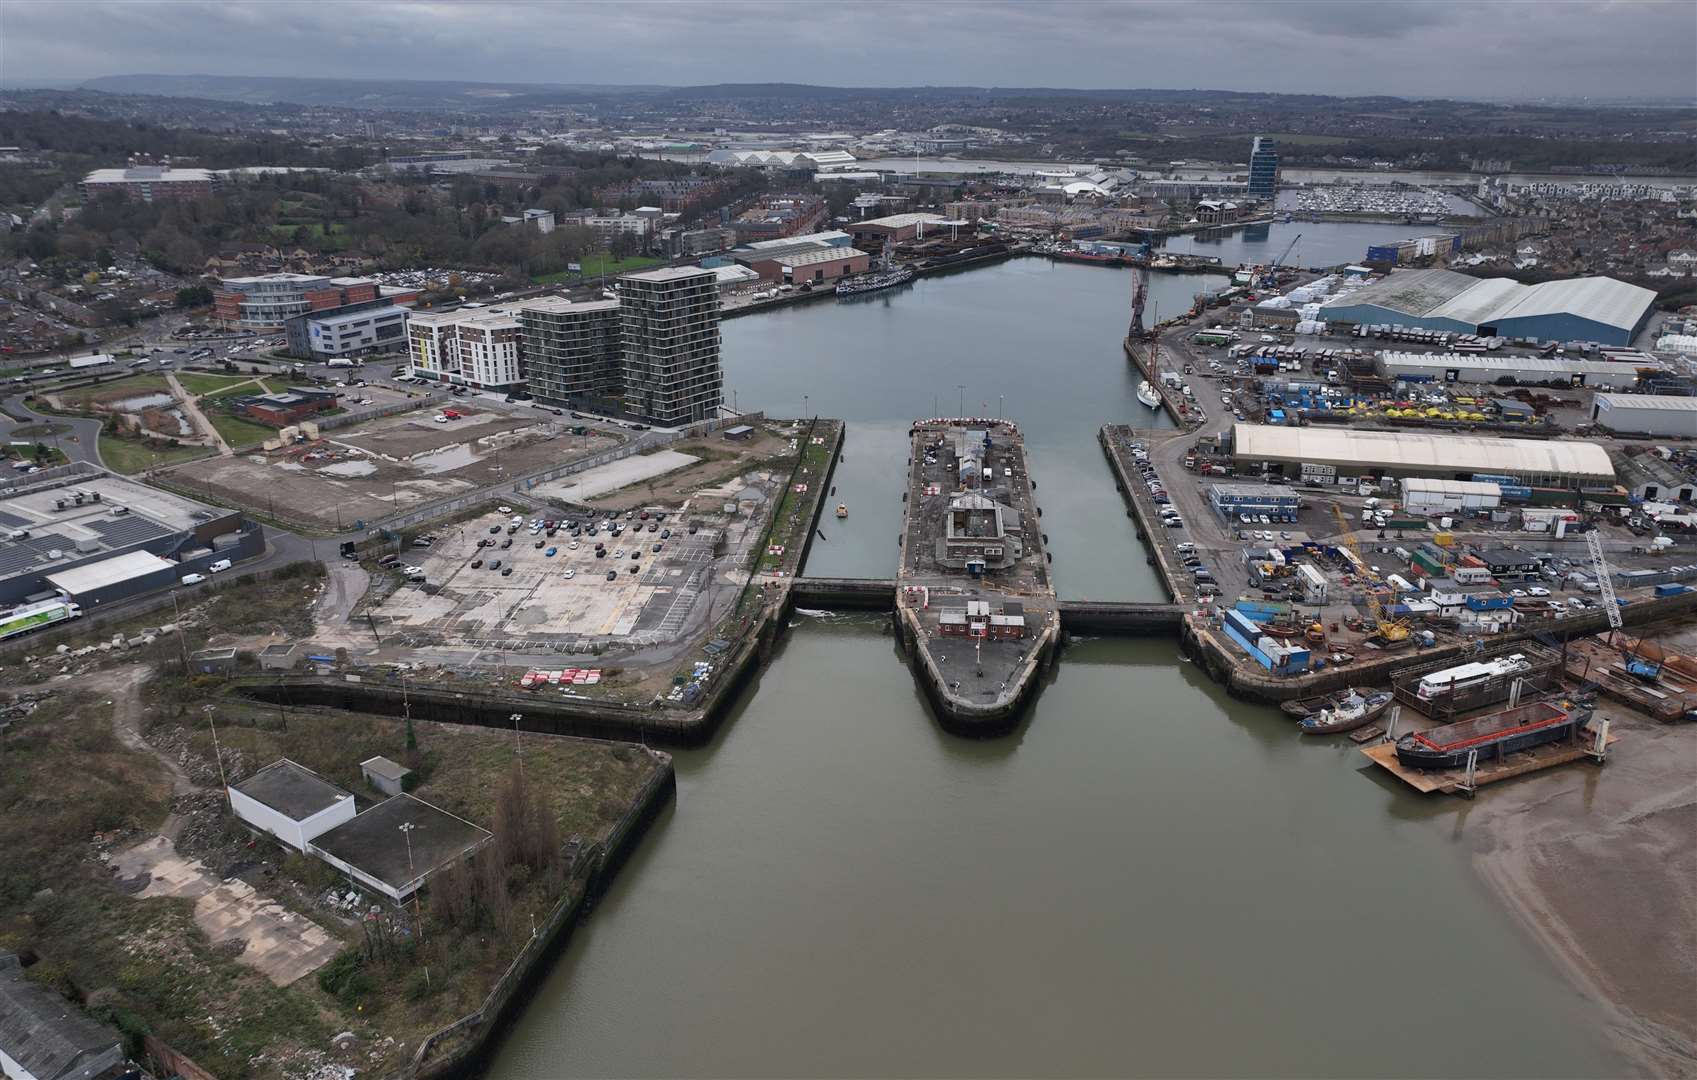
(1600, 866)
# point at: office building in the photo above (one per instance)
(354, 330)
(150, 183)
(268, 301)
(573, 352)
(670, 334)
(1263, 168)
(476, 347)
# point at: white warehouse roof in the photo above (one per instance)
(1600, 299)
(98, 575)
(1471, 301)
(1647, 401)
(1411, 450)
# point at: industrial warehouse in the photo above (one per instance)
(94, 538)
(1522, 369)
(1646, 414)
(1287, 450)
(1595, 309)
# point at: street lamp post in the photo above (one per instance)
(216, 752)
(518, 747)
(406, 828)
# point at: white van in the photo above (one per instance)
(218, 567)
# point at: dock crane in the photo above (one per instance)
(1393, 632)
(1139, 297)
(1639, 667)
(1270, 278)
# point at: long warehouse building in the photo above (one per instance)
(1596, 309)
(1283, 451)
(1646, 414)
(1493, 368)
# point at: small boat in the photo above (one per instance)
(842, 510)
(1147, 394)
(1492, 736)
(1352, 712)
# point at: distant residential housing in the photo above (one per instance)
(778, 216)
(150, 183)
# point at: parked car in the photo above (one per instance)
(612, 575)
(495, 564)
(193, 579)
(477, 564)
(569, 574)
(551, 552)
(507, 543)
(506, 571)
(218, 567)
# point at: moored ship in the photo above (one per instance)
(875, 281)
(1492, 736)
(1147, 394)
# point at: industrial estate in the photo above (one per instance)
(370, 592)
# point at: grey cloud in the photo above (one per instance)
(1434, 48)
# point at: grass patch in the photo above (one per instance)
(238, 432)
(130, 456)
(197, 383)
(235, 390)
(596, 265)
(794, 516)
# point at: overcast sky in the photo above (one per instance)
(1413, 48)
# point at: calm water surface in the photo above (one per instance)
(1147, 878)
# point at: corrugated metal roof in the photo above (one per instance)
(1475, 305)
(1413, 292)
(1450, 487)
(1646, 401)
(47, 1035)
(1445, 294)
(1410, 450)
(1600, 299)
(819, 255)
(1554, 365)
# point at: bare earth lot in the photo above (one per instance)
(369, 471)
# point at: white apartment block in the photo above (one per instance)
(471, 346)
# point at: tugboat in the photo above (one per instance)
(1493, 736)
(1147, 394)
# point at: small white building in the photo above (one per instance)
(291, 802)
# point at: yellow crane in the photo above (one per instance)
(1391, 632)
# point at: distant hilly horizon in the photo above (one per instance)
(469, 94)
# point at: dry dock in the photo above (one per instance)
(1454, 781)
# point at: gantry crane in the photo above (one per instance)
(1392, 631)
